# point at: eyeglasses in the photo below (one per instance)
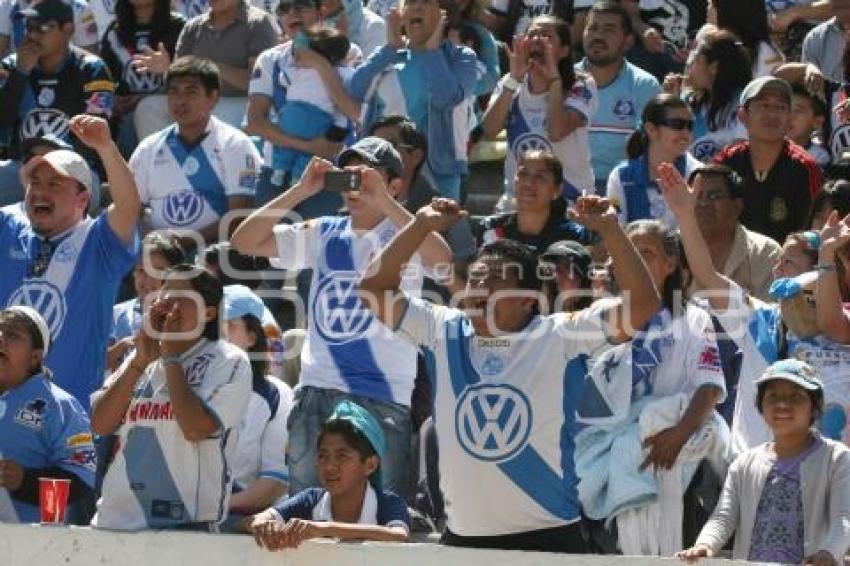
(297, 7)
(677, 124)
(40, 27)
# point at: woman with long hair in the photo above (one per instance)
(664, 137)
(541, 70)
(747, 19)
(717, 73)
(140, 27)
(175, 405)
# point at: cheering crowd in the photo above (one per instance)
(244, 290)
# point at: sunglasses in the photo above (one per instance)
(677, 124)
(40, 27)
(297, 7)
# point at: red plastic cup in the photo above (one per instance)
(53, 500)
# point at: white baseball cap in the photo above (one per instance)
(65, 162)
(38, 320)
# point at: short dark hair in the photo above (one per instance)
(410, 135)
(549, 159)
(215, 254)
(815, 396)
(818, 104)
(208, 287)
(165, 244)
(329, 43)
(17, 318)
(733, 181)
(609, 7)
(352, 436)
(191, 66)
(519, 255)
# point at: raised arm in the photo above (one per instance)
(561, 121)
(255, 235)
(640, 298)
(832, 319)
(123, 214)
(379, 288)
(681, 200)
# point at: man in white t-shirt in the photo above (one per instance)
(192, 173)
(506, 381)
(347, 353)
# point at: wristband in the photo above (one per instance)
(166, 360)
(510, 83)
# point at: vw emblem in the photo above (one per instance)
(46, 299)
(44, 121)
(183, 208)
(704, 150)
(840, 140)
(140, 82)
(337, 312)
(493, 422)
(528, 142)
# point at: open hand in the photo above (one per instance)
(695, 553)
(150, 61)
(680, 198)
(834, 235)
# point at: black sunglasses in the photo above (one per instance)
(677, 124)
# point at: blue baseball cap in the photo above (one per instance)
(240, 300)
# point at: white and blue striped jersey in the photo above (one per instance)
(158, 478)
(755, 326)
(346, 348)
(187, 187)
(504, 409)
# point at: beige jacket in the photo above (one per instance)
(825, 485)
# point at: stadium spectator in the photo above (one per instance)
(66, 265)
(747, 20)
(48, 80)
(510, 18)
(231, 34)
(44, 431)
(746, 257)
(824, 46)
(835, 195)
(623, 89)
(259, 465)
(664, 137)
(568, 279)
(487, 356)
(718, 72)
(429, 80)
(366, 29)
(808, 117)
(11, 189)
(545, 104)
(780, 179)
(198, 173)
(785, 501)
(137, 29)
(540, 219)
(13, 25)
(175, 405)
(347, 354)
(464, 17)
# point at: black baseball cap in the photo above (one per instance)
(377, 152)
(568, 250)
(47, 10)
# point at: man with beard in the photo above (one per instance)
(745, 257)
(780, 178)
(623, 89)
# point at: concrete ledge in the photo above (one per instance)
(45, 546)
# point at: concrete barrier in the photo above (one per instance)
(32, 545)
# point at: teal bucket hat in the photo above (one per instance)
(369, 427)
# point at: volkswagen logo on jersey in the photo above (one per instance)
(704, 150)
(337, 313)
(840, 140)
(46, 299)
(493, 422)
(140, 82)
(183, 208)
(530, 141)
(43, 122)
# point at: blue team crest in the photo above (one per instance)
(704, 150)
(183, 208)
(66, 253)
(493, 364)
(530, 141)
(31, 415)
(44, 297)
(338, 315)
(624, 108)
(493, 422)
(198, 369)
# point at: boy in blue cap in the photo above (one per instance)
(351, 504)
